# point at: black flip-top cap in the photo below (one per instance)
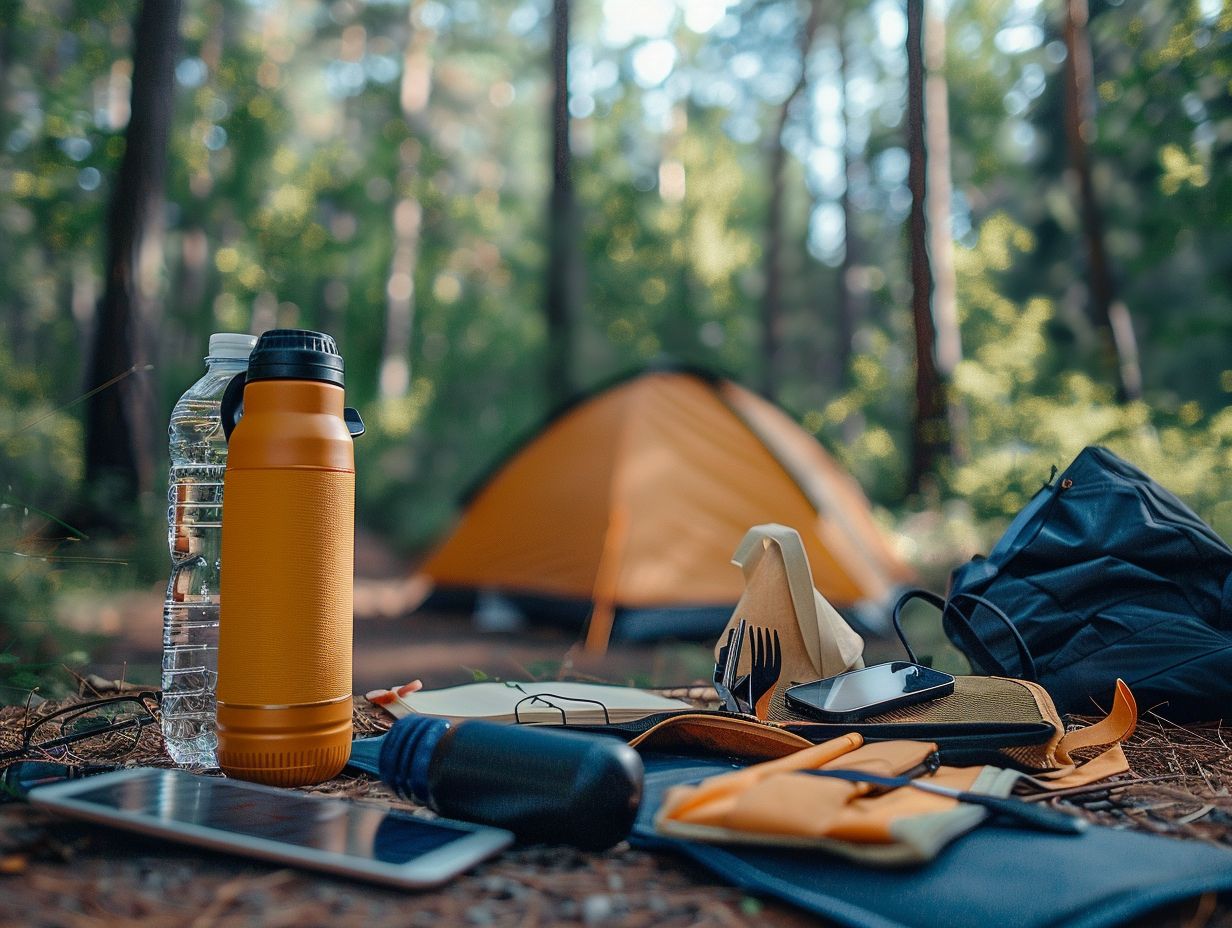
(295, 354)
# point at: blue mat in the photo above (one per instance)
(992, 876)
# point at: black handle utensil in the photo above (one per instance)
(1022, 813)
(767, 655)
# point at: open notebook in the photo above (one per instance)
(552, 703)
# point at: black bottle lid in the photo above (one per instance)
(296, 354)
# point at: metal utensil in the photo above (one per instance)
(726, 683)
(720, 673)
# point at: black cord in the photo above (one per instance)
(948, 608)
(931, 598)
(1024, 653)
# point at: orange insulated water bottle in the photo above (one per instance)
(288, 532)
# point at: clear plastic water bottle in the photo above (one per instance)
(194, 535)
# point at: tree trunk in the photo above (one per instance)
(1110, 315)
(408, 214)
(772, 295)
(120, 418)
(9, 11)
(564, 283)
(930, 428)
(937, 205)
(850, 292)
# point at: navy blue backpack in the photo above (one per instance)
(1104, 574)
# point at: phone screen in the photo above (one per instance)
(366, 832)
(859, 689)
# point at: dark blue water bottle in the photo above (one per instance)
(545, 785)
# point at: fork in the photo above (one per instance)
(767, 664)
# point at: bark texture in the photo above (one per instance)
(1109, 315)
(938, 205)
(772, 295)
(564, 272)
(414, 93)
(120, 424)
(930, 439)
(851, 293)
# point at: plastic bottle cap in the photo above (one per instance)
(233, 345)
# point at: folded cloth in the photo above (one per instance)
(989, 876)
(779, 596)
(780, 803)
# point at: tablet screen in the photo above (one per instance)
(303, 820)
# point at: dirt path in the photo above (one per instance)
(392, 645)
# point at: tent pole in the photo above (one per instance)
(603, 613)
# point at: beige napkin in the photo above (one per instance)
(779, 595)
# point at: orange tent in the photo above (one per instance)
(629, 504)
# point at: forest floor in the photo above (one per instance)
(80, 876)
(61, 873)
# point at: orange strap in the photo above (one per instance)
(1112, 730)
(1117, 726)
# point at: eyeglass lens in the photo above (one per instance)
(101, 731)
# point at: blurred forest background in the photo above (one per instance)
(493, 205)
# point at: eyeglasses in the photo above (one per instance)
(98, 730)
(545, 700)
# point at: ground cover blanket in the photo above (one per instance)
(991, 876)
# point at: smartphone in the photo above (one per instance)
(339, 836)
(858, 694)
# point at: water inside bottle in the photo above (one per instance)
(190, 676)
(190, 612)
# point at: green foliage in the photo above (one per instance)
(39, 460)
(1161, 157)
(1024, 416)
(292, 151)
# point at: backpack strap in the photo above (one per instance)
(1108, 733)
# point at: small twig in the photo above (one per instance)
(1205, 779)
(530, 918)
(1204, 911)
(1194, 816)
(1178, 794)
(85, 396)
(1093, 788)
(229, 892)
(82, 682)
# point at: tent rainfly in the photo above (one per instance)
(627, 507)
